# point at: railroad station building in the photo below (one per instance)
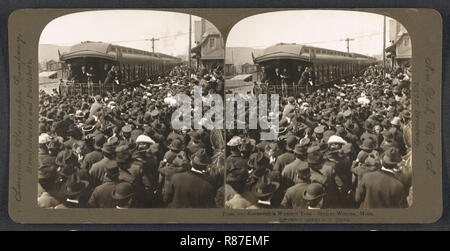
(209, 52)
(399, 51)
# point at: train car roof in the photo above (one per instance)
(302, 53)
(108, 51)
(88, 49)
(281, 51)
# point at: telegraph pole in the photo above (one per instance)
(153, 43)
(384, 45)
(348, 43)
(189, 48)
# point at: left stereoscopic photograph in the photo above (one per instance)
(108, 82)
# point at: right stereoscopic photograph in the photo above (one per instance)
(321, 111)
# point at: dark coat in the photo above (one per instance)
(91, 158)
(282, 161)
(101, 196)
(380, 189)
(294, 197)
(98, 171)
(191, 190)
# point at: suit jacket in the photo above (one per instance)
(282, 161)
(191, 190)
(294, 197)
(98, 171)
(91, 158)
(380, 189)
(101, 196)
(289, 174)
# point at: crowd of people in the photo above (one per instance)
(342, 146)
(119, 150)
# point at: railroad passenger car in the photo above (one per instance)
(133, 65)
(327, 65)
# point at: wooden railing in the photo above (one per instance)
(71, 88)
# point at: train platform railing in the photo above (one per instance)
(72, 88)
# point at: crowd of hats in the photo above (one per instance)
(127, 126)
(357, 126)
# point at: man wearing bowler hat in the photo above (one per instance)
(193, 188)
(381, 189)
(123, 196)
(314, 195)
(76, 193)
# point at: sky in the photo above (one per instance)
(320, 28)
(123, 27)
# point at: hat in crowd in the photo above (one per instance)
(265, 187)
(395, 121)
(314, 155)
(79, 114)
(176, 145)
(75, 185)
(291, 99)
(113, 140)
(44, 138)
(291, 141)
(98, 97)
(200, 159)
(122, 191)
(145, 139)
(361, 157)
(235, 141)
(314, 191)
(109, 148)
(66, 158)
(123, 154)
(99, 140)
(368, 144)
(300, 149)
(246, 145)
(319, 130)
(87, 129)
(127, 129)
(336, 140)
(391, 156)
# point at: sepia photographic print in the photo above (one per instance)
(108, 82)
(343, 127)
(225, 116)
